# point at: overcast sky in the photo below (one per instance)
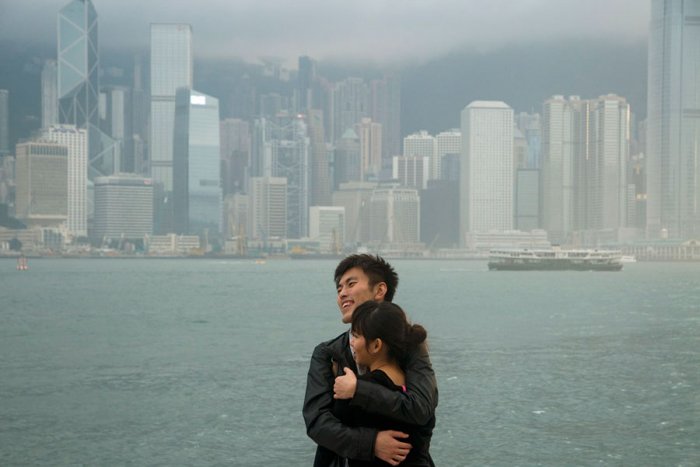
(386, 31)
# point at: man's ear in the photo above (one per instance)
(381, 291)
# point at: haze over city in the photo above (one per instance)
(387, 93)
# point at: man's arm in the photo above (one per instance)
(415, 406)
(321, 426)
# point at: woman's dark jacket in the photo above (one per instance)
(337, 441)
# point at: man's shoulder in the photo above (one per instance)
(340, 340)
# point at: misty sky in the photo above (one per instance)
(390, 31)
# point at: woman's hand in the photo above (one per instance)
(345, 385)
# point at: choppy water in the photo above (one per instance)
(203, 362)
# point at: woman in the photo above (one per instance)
(382, 339)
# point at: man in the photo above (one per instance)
(360, 278)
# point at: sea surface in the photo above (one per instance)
(204, 362)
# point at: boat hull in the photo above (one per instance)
(553, 265)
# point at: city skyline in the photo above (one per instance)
(297, 120)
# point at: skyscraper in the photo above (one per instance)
(370, 135)
(673, 120)
(561, 142)
(4, 122)
(197, 194)
(320, 172)
(267, 213)
(448, 143)
(79, 83)
(49, 94)
(76, 140)
(41, 183)
(235, 155)
(171, 68)
(423, 144)
(123, 207)
(486, 168)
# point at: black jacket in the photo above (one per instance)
(337, 441)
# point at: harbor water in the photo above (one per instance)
(204, 362)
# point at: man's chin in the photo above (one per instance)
(347, 317)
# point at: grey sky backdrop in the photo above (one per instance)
(384, 31)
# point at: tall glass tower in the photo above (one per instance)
(78, 82)
(171, 68)
(673, 120)
(197, 193)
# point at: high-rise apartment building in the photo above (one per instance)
(123, 207)
(41, 181)
(584, 166)
(422, 144)
(673, 120)
(486, 168)
(76, 140)
(197, 194)
(49, 94)
(563, 131)
(171, 69)
(608, 196)
(4, 122)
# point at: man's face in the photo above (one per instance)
(354, 290)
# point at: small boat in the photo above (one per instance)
(554, 259)
(22, 263)
(628, 259)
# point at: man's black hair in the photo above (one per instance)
(376, 269)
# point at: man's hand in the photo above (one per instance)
(388, 448)
(344, 387)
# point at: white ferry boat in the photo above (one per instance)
(555, 259)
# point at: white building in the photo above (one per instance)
(448, 142)
(422, 144)
(411, 171)
(327, 226)
(77, 142)
(354, 198)
(123, 207)
(486, 168)
(394, 217)
(267, 212)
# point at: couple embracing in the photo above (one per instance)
(371, 392)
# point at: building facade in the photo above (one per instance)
(197, 194)
(673, 120)
(171, 69)
(41, 181)
(123, 208)
(76, 140)
(486, 168)
(327, 226)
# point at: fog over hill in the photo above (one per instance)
(433, 93)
